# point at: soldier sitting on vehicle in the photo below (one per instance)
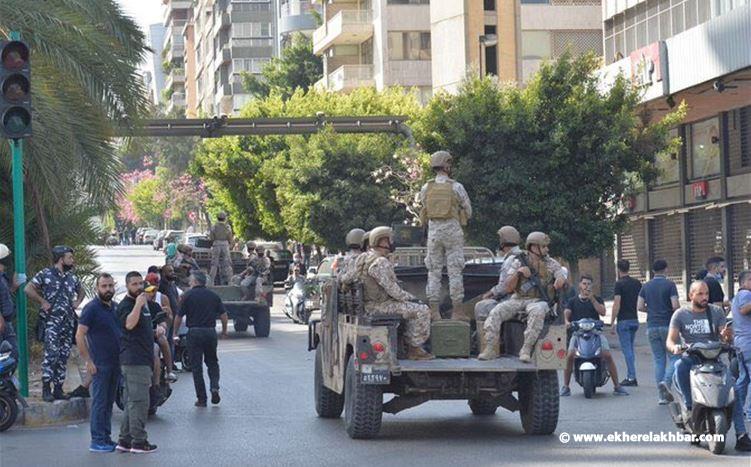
(509, 240)
(530, 274)
(347, 270)
(383, 295)
(258, 268)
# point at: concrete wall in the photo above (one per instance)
(449, 43)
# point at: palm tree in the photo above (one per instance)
(84, 58)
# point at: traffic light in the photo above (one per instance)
(15, 90)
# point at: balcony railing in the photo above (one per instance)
(350, 76)
(254, 42)
(336, 25)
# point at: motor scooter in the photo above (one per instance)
(8, 388)
(712, 395)
(298, 305)
(589, 371)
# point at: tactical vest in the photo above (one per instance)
(372, 290)
(221, 232)
(441, 202)
(525, 289)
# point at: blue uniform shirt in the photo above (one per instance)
(104, 332)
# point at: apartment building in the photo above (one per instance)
(295, 16)
(156, 42)
(376, 43)
(231, 37)
(698, 52)
(173, 53)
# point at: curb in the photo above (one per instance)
(60, 412)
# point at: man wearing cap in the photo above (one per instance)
(445, 210)
(59, 293)
(221, 238)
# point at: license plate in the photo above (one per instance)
(374, 374)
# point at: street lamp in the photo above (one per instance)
(486, 40)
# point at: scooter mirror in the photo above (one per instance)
(5, 347)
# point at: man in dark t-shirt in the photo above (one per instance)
(715, 276)
(136, 358)
(587, 305)
(626, 296)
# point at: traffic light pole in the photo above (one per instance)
(19, 240)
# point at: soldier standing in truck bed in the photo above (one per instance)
(445, 210)
(221, 238)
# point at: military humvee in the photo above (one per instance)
(245, 312)
(360, 358)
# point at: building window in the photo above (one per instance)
(668, 164)
(705, 148)
(409, 45)
(409, 2)
(243, 30)
(536, 45)
(489, 5)
(250, 65)
(251, 6)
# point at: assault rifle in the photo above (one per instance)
(534, 281)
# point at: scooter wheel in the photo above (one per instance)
(8, 412)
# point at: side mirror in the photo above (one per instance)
(5, 347)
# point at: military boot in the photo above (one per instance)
(491, 344)
(418, 353)
(435, 312)
(458, 312)
(525, 354)
(58, 393)
(47, 392)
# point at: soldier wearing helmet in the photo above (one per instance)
(509, 240)
(7, 307)
(527, 299)
(445, 210)
(347, 273)
(257, 270)
(221, 238)
(383, 295)
(59, 293)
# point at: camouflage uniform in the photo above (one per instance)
(259, 270)
(483, 307)
(446, 245)
(221, 236)
(384, 296)
(348, 268)
(524, 303)
(60, 290)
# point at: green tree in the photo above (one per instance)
(297, 68)
(559, 156)
(85, 55)
(311, 188)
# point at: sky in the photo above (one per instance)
(145, 12)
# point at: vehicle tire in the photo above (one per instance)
(481, 406)
(240, 325)
(329, 404)
(8, 412)
(588, 383)
(539, 402)
(262, 322)
(119, 399)
(717, 422)
(363, 405)
(305, 318)
(185, 361)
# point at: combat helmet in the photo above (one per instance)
(378, 233)
(509, 235)
(250, 245)
(354, 238)
(440, 159)
(537, 238)
(4, 251)
(222, 216)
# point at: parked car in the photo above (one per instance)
(149, 236)
(159, 240)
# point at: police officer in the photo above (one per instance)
(383, 295)
(221, 237)
(59, 293)
(527, 300)
(7, 307)
(347, 271)
(445, 210)
(509, 240)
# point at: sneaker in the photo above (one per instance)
(80, 391)
(171, 377)
(215, 397)
(123, 446)
(101, 447)
(662, 387)
(565, 391)
(662, 401)
(629, 382)
(619, 391)
(142, 448)
(200, 403)
(743, 443)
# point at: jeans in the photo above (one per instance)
(626, 334)
(683, 373)
(202, 344)
(103, 389)
(741, 391)
(136, 396)
(657, 336)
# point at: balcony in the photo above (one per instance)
(345, 27)
(177, 100)
(252, 42)
(176, 76)
(176, 51)
(295, 16)
(347, 77)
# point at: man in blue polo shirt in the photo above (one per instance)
(741, 310)
(659, 298)
(98, 340)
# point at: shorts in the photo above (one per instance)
(603, 342)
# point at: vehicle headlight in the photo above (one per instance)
(710, 354)
(587, 326)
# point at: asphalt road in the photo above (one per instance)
(267, 417)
